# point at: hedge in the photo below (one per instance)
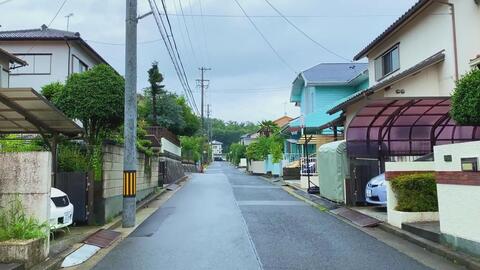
(416, 192)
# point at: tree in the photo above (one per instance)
(237, 152)
(466, 99)
(268, 128)
(231, 131)
(52, 90)
(155, 78)
(192, 122)
(94, 97)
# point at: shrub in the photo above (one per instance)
(416, 192)
(466, 99)
(15, 224)
(13, 143)
(71, 158)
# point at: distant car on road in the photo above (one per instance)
(61, 210)
(376, 190)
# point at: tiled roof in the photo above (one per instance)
(43, 33)
(405, 17)
(333, 73)
(341, 104)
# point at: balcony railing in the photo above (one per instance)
(291, 157)
(308, 167)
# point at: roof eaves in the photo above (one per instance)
(13, 58)
(432, 60)
(417, 7)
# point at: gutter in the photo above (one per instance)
(69, 56)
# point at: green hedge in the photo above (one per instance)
(416, 192)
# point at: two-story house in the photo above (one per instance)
(413, 67)
(52, 55)
(217, 150)
(314, 91)
(8, 62)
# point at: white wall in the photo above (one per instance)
(258, 167)
(170, 147)
(61, 63)
(457, 151)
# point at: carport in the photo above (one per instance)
(25, 111)
(396, 130)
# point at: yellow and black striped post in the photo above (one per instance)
(129, 183)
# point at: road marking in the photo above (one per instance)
(255, 186)
(271, 203)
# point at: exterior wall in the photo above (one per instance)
(396, 218)
(325, 96)
(61, 65)
(4, 75)
(257, 167)
(28, 177)
(170, 147)
(458, 196)
(416, 44)
(112, 173)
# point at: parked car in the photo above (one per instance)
(61, 210)
(376, 190)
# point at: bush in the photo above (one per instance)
(14, 223)
(13, 143)
(466, 99)
(71, 158)
(416, 192)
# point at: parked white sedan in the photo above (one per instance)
(61, 210)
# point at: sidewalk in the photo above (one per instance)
(74, 239)
(325, 205)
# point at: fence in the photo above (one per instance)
(290, 157)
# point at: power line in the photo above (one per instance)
(5, 1)
(288, 16)
(123, 44)
(56, 14)
(305, 34)
(188, 32)
(264, 38)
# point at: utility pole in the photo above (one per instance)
(203, 84)
(209, 123)
(130, 126)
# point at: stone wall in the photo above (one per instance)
(190, 168)
(111, 201)
(175, 169)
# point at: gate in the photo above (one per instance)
(79, 188)
(361, 171)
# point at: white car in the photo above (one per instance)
(61, 210)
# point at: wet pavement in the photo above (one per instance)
(225, 219)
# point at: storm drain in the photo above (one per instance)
(356, 218)
(102, 238)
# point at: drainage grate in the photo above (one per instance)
(102, 238)
(356, 217)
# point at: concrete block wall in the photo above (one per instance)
(112, 179)
(28, 177)
(175, 169)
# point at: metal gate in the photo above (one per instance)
(361, 171)
(79, 188)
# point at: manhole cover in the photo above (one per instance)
(102, 238)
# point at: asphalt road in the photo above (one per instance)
(225, 219)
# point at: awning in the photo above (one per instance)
(318, 122)
(23, 110)
(405, 127)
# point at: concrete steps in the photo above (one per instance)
(427, 230)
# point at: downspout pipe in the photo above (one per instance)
(454, 35)
(69, 56)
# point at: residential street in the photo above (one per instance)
(225, 219)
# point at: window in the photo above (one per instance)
(40, 64)
(78, 66)
(388, 63)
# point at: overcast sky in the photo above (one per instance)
(248, 82)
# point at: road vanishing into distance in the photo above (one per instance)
(225, 219)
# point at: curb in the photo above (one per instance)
(438, 249)
(54, 263)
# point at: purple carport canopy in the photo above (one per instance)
(405, 127)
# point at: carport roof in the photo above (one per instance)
(405, 127)
(23, 110)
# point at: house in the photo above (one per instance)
(404, 115)
(217, 151)
(314, 91)
(405, 111)
(248, 138)
(52, 55)
(8, 62)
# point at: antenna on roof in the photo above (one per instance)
(68, 19)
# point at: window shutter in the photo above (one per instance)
(378, 68)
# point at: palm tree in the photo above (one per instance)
(268, 128)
